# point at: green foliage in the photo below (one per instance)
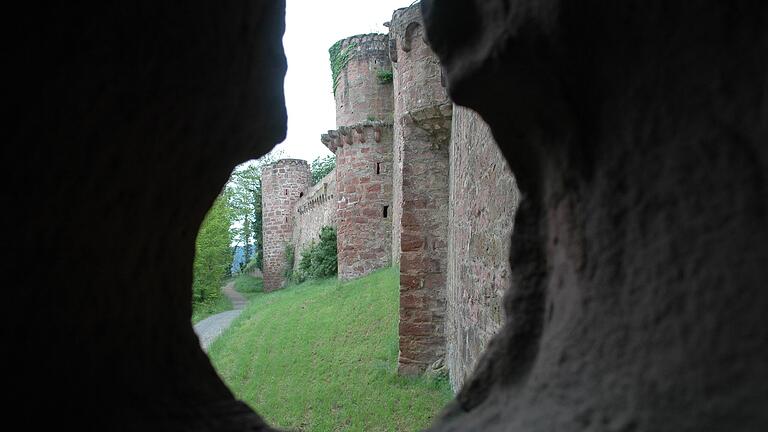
(339, 60)
(255, 263)
(319, 260)
(212, 255)
(384, 76)
(322, 356)
(202, 311)
(371, 117)
(290, 260)
(321, 166)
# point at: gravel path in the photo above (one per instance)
(212, 327)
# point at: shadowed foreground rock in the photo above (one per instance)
(127, 118)
(637, 132)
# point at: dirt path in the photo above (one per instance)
(212, 327)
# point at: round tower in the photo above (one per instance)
(362, 79)
(364, 191)
(282, 183)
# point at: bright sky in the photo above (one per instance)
(312, 26)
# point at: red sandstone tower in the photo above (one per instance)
(422, 128)
(363, 147)
(283, 183)
(362, 89)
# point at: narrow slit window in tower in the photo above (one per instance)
(378, 167)
(385, 212)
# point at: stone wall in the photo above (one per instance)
(422, 131)
(282, 184)
(483, 200)
(360, 95)
(315, 208)
(364, 189)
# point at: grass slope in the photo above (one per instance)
(249, 286)
(321, 356)
(203, 311)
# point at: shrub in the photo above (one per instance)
(384, 76)
(289, 261)
(320, 259)
(254, 263)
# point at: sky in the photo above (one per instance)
(312, 26)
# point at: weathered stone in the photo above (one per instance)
(360, 95)
(315, 209)
(363, 208)
(482, 186)
(636, 131)
(283, 184)
(124, 123)
(421, 181)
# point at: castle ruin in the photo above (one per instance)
(418, 183)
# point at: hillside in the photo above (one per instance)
(322, 356)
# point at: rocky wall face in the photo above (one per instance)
(397, 188)
(360, 94)
(314, 210)
(283, 183)
(364, 190)
(483, 199)
(636, 132)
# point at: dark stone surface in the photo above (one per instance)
(125, 121)
(638, 133)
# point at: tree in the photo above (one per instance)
(212, 253)
(321, 166)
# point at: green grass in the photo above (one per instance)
(321, 356)
(249, 286)
(203, 311)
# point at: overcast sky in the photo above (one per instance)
(312, 26)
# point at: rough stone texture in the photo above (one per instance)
(360, 96)
(364, 189)
(124, 123)
(422, 133)
(637, 133)
(315, 209)
(283, 183)
(483, 199)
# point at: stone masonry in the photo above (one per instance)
(363, 148)
(315, 208)
(364, 185)
(360, 95)
(422, 135)
(483, 201)
(282, 184)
